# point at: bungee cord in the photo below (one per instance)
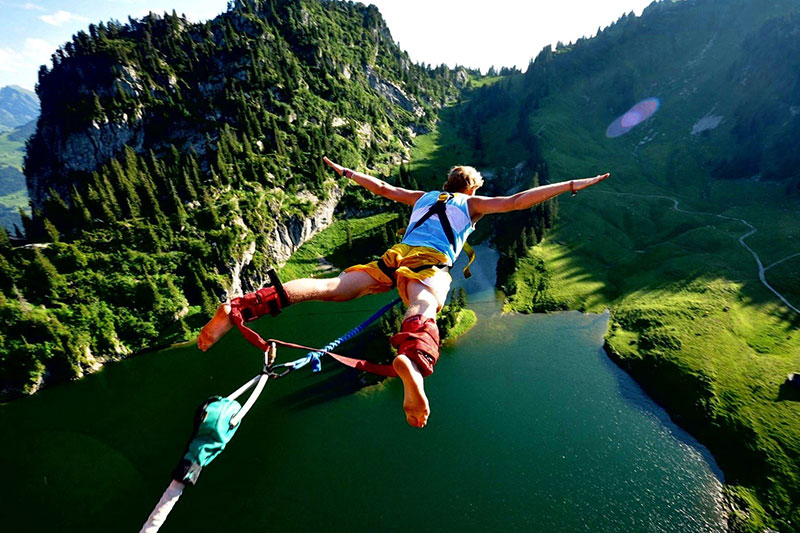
(219, 417)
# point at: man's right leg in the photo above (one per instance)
(347, 286)
(424, 301)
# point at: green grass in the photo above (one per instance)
(15, 200)
(465, 321)
(434, 153)
(331, 244)
(11, 152)
(476, 82)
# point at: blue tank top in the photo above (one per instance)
(430, 232)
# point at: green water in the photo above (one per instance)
(532, 429)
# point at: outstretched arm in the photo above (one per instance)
(482, 205)
(377, 186)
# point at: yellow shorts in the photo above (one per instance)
(406, 260)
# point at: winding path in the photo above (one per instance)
(753, 229)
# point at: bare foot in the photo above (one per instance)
(218, 326)
(415, 403)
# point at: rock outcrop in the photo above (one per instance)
(393, 92)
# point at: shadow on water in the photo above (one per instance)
(337, 383)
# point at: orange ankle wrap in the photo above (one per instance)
(419, 341)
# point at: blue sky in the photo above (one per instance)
(475, 33)
(31, 30)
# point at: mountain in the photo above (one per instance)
(173, 163)
(13, 191)
(692, 242)
(268, 70)
(18, 106)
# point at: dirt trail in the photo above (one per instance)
(753, 229)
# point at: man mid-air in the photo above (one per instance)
(438, 228)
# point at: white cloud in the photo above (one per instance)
(31, 6)
(38, 47)
(61, 17)
(35, 52)
(10, 60)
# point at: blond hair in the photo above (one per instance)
(462, 178)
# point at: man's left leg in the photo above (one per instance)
(417, 340)
(346, 286)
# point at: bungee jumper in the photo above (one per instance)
(418, 266)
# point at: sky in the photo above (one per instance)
(473, 33)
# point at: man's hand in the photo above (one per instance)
(578, 185)
(338, 168)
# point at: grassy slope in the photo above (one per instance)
(465, 320)
(11, 153)
(691, 318)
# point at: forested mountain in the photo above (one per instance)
(174, 162)
(18, 106)
(692, 243)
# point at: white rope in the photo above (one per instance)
(244, 388)
(175, 488)
(262, 380)
(162, 510)
(258, 382)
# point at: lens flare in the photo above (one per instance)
(633, 117)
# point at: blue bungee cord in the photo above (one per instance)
(315, 358)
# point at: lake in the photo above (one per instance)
(532, 428)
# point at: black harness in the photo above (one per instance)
(439, 208)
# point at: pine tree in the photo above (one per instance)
(79, 213)
(461, 298)
(43, 283)
(108, 195)
(97, 108)
(5, 243)
(177, 210)
(210, 212)
(191, 193)
(51, 230)
(28, 225)
(8, 276)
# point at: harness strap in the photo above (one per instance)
(263, 345)
(470, 251)
(391, 272)
(358, 364)
(439, 209)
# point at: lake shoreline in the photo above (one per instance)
(687, 348)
